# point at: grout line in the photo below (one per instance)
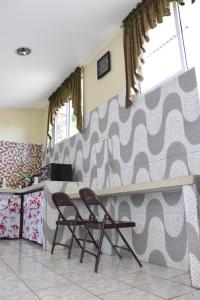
(186, 293)
(22, 281)
(74, 283)
(174, 277)
(146, 292)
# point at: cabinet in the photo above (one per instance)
(10, 208)
(33, 216)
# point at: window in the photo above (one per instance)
(65, 123)
(190, 21)
(165, 54)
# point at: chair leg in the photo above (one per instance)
(84, 244)
(99, 249)
(75, 237)
(71, 242)
(113, 246)
(54, 239)
(92, 238)
(129, 247)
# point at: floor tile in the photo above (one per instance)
(96, 283)
(43, 280)
(192, 296)
(114, 271)
(4, 268)
(29, 273)
(166, 289)
(7, 278)
(64, 266)
(160, 271)
(107, 260)
(183, 279)
(138, 279)
(44, 256)
(25, 267)
(129, 294)
(27, 296)
(6, 250)
(68, 292)
(13, 288)
(32, 251)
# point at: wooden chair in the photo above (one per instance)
(91, 200)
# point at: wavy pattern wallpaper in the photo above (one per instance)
(157, 138)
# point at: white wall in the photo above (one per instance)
(23, 125)
(96, 92)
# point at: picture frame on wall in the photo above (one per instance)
(103, 65)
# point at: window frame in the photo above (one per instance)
(182, 52)
(68, 123)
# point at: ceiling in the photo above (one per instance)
(62, 35)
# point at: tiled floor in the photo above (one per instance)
(28, 273)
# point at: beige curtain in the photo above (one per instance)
(144, 17)
(70, 90)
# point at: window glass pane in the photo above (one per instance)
(162, 56)
(60, 124)
(190, 19)
(72, 126)
(65, 123)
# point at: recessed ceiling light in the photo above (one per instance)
(24, 51)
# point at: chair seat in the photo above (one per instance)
(118, 224)
(94, 204)
(70, 222)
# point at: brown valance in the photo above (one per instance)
(144, 17)
(70, 90)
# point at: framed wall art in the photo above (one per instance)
(103, 65)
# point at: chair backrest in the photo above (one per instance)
(89, 197)
(63, 200)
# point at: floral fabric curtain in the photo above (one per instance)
(10, 207)
(33, 216)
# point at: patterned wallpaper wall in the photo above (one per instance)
(157, 138)
(17, 158)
